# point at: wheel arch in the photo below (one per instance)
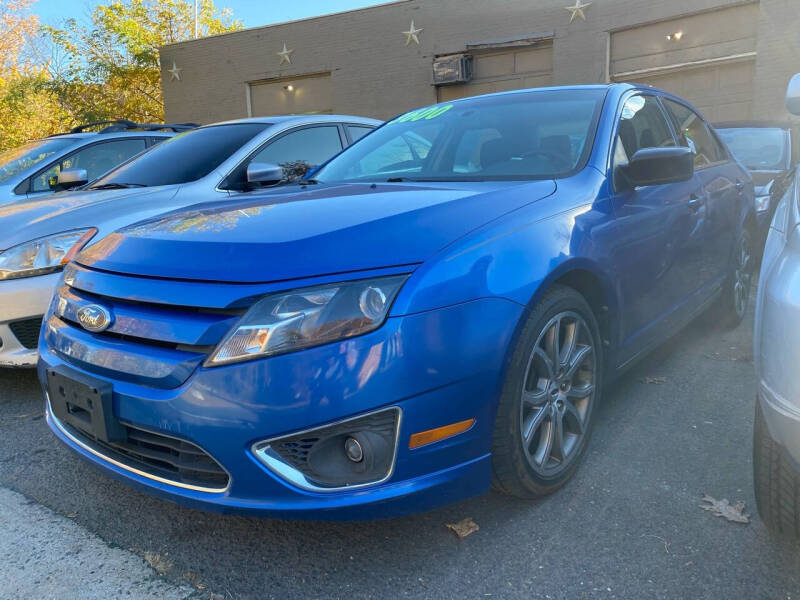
(588, 279)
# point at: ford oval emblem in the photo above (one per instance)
(94, 318)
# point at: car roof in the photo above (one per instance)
(91, 135)
(301, 119)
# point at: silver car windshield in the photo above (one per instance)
(529, 135)
(17, 160)
(758, 148)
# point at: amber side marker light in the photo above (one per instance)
(423, 438)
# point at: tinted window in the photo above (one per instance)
(313, 145)
(695, 134)
(642, 125)
(758, 148)
(538, 134)
(357, 132)
(96, 159)
(18, 159)
(185, 157)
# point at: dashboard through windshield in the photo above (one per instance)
(528, 135)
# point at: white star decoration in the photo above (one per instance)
(174, 72)
(285, 54)
(577, 10)
(412, 34)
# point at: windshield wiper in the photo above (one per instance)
(116, 186)
(396, 179)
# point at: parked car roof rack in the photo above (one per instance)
(126, 125)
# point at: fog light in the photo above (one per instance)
(353, 450)
(351, 453)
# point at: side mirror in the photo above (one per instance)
(657, 166)
(311, 172)
(793, 95)
(70, 178)
(264, 174)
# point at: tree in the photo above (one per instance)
(27, 108)
(17, 26)
(110, 67)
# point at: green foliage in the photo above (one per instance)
(110, 67)
(104, 69)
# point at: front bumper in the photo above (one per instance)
(22, 299)
(437, 367)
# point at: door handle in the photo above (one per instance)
(694, 202)
(739, 186)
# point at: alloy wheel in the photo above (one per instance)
(742, 277)
(558, 393)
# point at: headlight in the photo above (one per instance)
(307, 317)
(762, 203)
(43, 255)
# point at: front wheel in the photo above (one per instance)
(544, 416)
(776, 482)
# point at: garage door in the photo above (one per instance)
(505, 70)
(721, 93)
(707, 58)
(305, 95)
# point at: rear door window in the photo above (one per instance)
(695, 135)
(358, 131)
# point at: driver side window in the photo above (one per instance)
(642, 125)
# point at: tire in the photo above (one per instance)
(732, 305)
(537, 398)
(776, 482)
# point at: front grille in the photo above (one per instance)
(162, 456)
(27, 331)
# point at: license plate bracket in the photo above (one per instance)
(85, 403)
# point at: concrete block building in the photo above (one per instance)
(731, 58)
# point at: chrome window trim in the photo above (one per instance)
(116, 463)
(269, 458)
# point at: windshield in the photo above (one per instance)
(529, 135)
(18, 159)
(757, 148)
(183, 158)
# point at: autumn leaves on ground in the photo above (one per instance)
(54, 76)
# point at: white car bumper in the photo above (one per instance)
(22, 300)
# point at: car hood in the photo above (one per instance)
(26, 220)
(319, 230)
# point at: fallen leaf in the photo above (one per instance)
(722, 508)
(654, 380)
(160, 564)
(464, 527)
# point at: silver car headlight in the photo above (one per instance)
(43, 255)
(297, 319)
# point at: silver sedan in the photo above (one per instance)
(776, 441)
(206, 164)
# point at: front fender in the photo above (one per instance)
(518, 255)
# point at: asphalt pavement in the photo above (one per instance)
(629, 525)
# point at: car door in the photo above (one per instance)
(723, 184)
(658, 245)
(97, 159)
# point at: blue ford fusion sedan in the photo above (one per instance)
(436, 310)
